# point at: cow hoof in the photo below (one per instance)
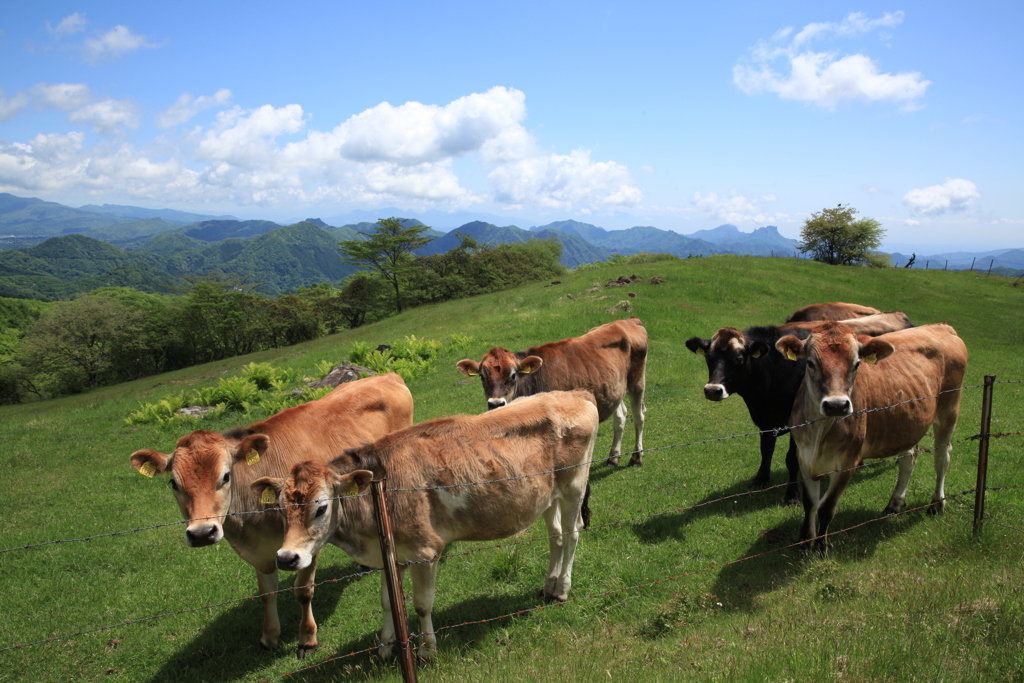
(612, 462)
(759, 482)
(891, 510)
(636, 462)
(791, 500)
(304, 650)
(936, 508)
(268, 648)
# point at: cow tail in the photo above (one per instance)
(585, 509)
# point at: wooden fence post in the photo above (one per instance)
(986, 423)
(394, 582)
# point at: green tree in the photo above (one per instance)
(834, 236)
(388, 250)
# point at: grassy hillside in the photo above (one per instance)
(906, 598)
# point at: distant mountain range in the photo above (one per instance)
(49, 250)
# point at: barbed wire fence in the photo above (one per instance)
(983, 437)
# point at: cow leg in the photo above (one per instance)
(792, 496)
(764, 472)
(636, 401)
(827, 506)
(304, 580)
(809, 530)
(569, 510)
(387, 634)
(271, 622)
(906, 461)
(943, 434)
(553, 519)
(423, 580)
(618, 428)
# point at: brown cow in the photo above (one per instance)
(919, 363)
(609, 361)
(211, 474)
(435, 497)
(835, 310)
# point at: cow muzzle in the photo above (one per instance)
(836, 406)
(493, 403)
(199, 535)
(715, 392)
(292, 560)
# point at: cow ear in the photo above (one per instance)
(150, 463)
(468, 367)
(790, 347)
(875, 350)
(698, 346)
(268, 489)
(353, 484)
(758, 349)
(252, 448)
(530, 364)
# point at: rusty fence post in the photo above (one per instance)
(394, 582)
(986, 423)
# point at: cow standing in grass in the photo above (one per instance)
(211, 475)
(461, 478)
(746, 363)
(918, 372)
(834, 310)
(609, 361)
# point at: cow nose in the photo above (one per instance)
(836, 407)
(715, 392)
(287, 560)
(207, 534)
(493, 403)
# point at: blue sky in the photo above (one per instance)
(617, 114)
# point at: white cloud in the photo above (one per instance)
(826, 79)
(114, 43)
(911, 221)
(954, 195)
(11, 106)
(265, 155)
(733, 209)
(187, 106)
(71, 24)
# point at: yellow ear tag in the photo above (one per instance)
(252, 458)
(269, 496)
(352, 491)
(699, 351)
(790, 355)
(872, 359)
(526, 371)
(148, 469)
(472, 373)
(756, 354)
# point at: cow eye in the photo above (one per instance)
(174, 484)
(226, 479)
(321, 510)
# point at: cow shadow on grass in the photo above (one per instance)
(228, 647)
(458, 627)
(768, 564)
(731, 501)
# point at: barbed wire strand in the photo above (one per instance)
(777, 431)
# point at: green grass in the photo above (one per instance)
(907, 598)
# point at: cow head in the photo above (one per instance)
(309, 501)
(728, 355)
(833, 355)
(499, 371)
(200, 477)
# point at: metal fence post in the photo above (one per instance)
(394, 582)
(986, 423)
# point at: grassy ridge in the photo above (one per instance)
(908, 598)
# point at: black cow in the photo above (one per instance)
(748, 364)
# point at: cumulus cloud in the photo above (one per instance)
(387, 153)
(113, 44)
(186, 106)
(827, 79)
(734, 208)
(954, 195)
(11, 106)
(69, 25)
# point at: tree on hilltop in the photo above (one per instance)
(388, 250)
(834, 236)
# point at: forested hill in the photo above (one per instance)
(282, 259)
